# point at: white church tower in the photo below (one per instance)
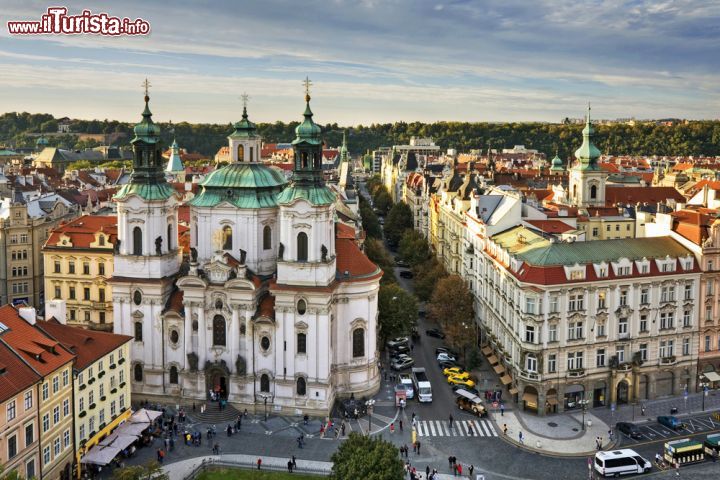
(587, 179)
(147, 257)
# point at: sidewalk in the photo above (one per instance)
(653, 408)
(560, 435)
(185, 468)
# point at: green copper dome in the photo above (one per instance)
(41, 141)
(308, 131)
(244, 128)
(244, 185)
(588, 154)
(557, 164)
(147, 130)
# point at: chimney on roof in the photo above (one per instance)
(58, 309)
(28, 314)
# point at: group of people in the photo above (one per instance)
(457, 467)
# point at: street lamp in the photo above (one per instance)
(704, 384)
(584, 403)
(265, 400)
(369, 407)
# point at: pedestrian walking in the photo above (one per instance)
(521, 438)
(294, 460)
(401, 425)
(459, 469)
(413, 417)
(427, 471)
(418, 447)
(642, 410)
(471, 432)
(471, 470)
(290, 466)
(407, 451)
(392, 428)
(451, 421)
(677, 469)
(502, 409)
(342, 428)
(450, 461)
(505, 428)
(610, 434)
(259, 463)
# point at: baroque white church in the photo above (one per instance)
(276, 302)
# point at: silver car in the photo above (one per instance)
(402, 362)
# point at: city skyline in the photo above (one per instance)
(374, 61)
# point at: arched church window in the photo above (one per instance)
(227, 237)
(169, 237)
(138, 372)
(137, 241)
(252, 154)
(138, 331)
(302, 247)
(173, 374)
(301, 386)
(358, 342)
(241, 153)
(304, 163)
(593, 192)
(316, 162)
(219, 330)
(264, 383)
(267, 238)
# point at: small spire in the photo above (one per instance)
(588, 114)
(307, 84)
(245, 97)
(146, 85)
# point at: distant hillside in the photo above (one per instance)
(694, 138)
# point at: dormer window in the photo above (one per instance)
(101, 240)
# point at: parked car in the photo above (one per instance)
(406, 274)
(396, 355)
(402, 363)
(446, 356)
(460, 375)
(435, 332)
(402, 348)
(393, 342)
(474, 391)
(629, 429)
(468, 401)
(400, 263)
(440, 350)
(453, 371)
(453, 380)
(670, 422)
(447, 364)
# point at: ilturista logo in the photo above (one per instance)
(56, 21)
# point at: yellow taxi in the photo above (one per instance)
(453, 380)
(453, 371)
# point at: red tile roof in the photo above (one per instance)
(175, 303)
(37, 349)
(184, 214)
(82, 231)
(344, 231)
(88, 346)
(694, 224)
(633, 195)
(266, 307)
(352, 264)
(551, 226)
(16, 375)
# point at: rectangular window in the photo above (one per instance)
(688, 292)
(56, 415)
(122, 400)
(620, 351)
(576, 302)
(86, 293)
(71, 293)
(102, 390)
(72, 314)
(66, 407)
(553, 304)
(101, 295)
(644, 296)
(91, 397)
(623, 298)
(529, 334)
(46, 455)
(29, 434)
(101, 317)
(45, 391)
(301, 343)
(46, 422)
(708, 313)
(57, 266)
(101, 416)
(81, 404)
(11, 411)
(71, 267)
(101, 268)
(82, 432)
(595, 231)
(28, 400)
(531, 363)
(552, 333)
(623, 326)
(30, 469)
(709, 287)
(530, 304)
(12, 446)
(86, 268)
(113, 408)
(667, 320)
(601, 299)
(575, 330)
(56, 446)
(707, 343)
(600, 329)
(56, 383)
(23, 238)
(643, 352)
(687, 318)
(666, 348)
(66, 378)
(624, 271)
(600, 358)
(686, 346)
(66, 439)
(575, 360)
(552, 363)
(643, 323)
(58, 293)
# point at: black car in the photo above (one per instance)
(629, 429)
(435, 332)
(474, 391)
(406, 274)
(446, 364)
(402, 348)
(440, 350)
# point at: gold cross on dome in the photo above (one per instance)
(244, 97)
(147, 85)
(307, 84)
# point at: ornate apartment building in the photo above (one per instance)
(567, 323)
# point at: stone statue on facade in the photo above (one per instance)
(193, 361)
(158, 245)
(243, 254)
(240, 365)
(281, 250)
(323, 253)
(117, 246)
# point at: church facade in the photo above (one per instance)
(276, 302)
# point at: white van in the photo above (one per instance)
(620, 462)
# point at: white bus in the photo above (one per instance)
(620, 462)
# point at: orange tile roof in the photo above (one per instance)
(266, 307)
(633, 195)
(344, 231)
(551, 226)
(175, 303)
(37, 349)
(88, 346)
(82, 231)
(352, 264)
(16, 376)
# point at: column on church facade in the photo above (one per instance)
(202, 333)
(234, 337)
(323, 338)
(187, 333)
(157, 350)
(248, 339)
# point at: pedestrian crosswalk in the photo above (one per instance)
(460, 428)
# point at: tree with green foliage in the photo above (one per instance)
(427, 275)
(414, 248)
(10, 475)
(383, 201)
(147, 471)
(80, 165)
(372, 183)
(367, 458)
(397, 311)
(451, 306)
(378, 254)
(126, 164)
(398, 220)
(370, 222)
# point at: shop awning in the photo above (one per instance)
(144, 415)
(506, 379)
(135, 429)
(530, 397)
(513, 390)
(492, 359)
(100, 455)
(712, 376)
(119, 440)
(499, 369)
(552, 400)
(486, 350)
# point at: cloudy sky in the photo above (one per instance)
(374, 60)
